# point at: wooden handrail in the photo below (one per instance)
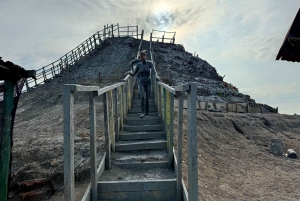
(73, 56)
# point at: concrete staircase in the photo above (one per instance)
(140, 169)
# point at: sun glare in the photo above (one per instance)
(162, 17)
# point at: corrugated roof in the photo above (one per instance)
(290, 49)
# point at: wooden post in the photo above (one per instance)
(69, 181)
(127, 30)
(93, 145)
(53, 70)
(111, 120)
(192, 143)
(142, 35)
(6, 142)
(44, 75)
(116, 115)
(112, 30)
(99, 38)
(129, 94)
(73, 57)
(179, 187)
(107, 137)
(104, 32)
(121, 106)
(88, 45)
(95, 41)
(108, 31)
(137, 32)
(171, 125)
(27, 85)
(118, 30)
(163, 107)
(61, 64)
(163, 38)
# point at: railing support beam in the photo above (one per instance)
(69, 182)
(192, 143)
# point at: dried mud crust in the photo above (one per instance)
(235, 164)
(234, 161)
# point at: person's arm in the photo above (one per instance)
(135, 70)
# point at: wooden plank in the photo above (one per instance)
(139, 195)
(168, 127)
(120, 107)
(93, 145)
(111, 87)
(69, 181)
(179, 147)
(100, 170)
(136, 185)
(165, 110)
(171, 155)
(111, 129)
(76, 87)
(107, 136)
(167, 87)
(192, 143)
(116, 114)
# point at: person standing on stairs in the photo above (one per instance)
(144, 69)
(132, 63)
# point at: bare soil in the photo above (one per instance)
(234, 159)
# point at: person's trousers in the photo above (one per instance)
(145, 95)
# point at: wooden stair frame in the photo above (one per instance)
(119, 96)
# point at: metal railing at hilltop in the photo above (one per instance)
(73, 57)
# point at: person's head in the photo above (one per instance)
(143, 54)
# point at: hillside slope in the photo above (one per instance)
(236, 153)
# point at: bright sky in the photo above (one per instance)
(239, 38)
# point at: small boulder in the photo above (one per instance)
(276, 147)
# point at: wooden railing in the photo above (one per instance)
(163, 37)
(164, 100)
(73, 57)
(116, 102)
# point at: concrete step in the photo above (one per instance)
(139, 110)
(150, 120)
(139, 106)
(163, 190)
(135, 128)
(141, 135)
(141, 145)
(138, 101)
(138, 114)
(145, 159)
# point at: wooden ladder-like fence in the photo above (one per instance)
(116, 103)
(73, 57)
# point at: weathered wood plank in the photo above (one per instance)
(116, 114)
(93, 145)
(107, 136)
(179, 147)
(137, 185)
(69, 181)
(192, 143)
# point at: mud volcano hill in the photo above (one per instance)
(235, 162)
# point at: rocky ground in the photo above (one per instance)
(234, 158)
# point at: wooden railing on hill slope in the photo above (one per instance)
(87, 47)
